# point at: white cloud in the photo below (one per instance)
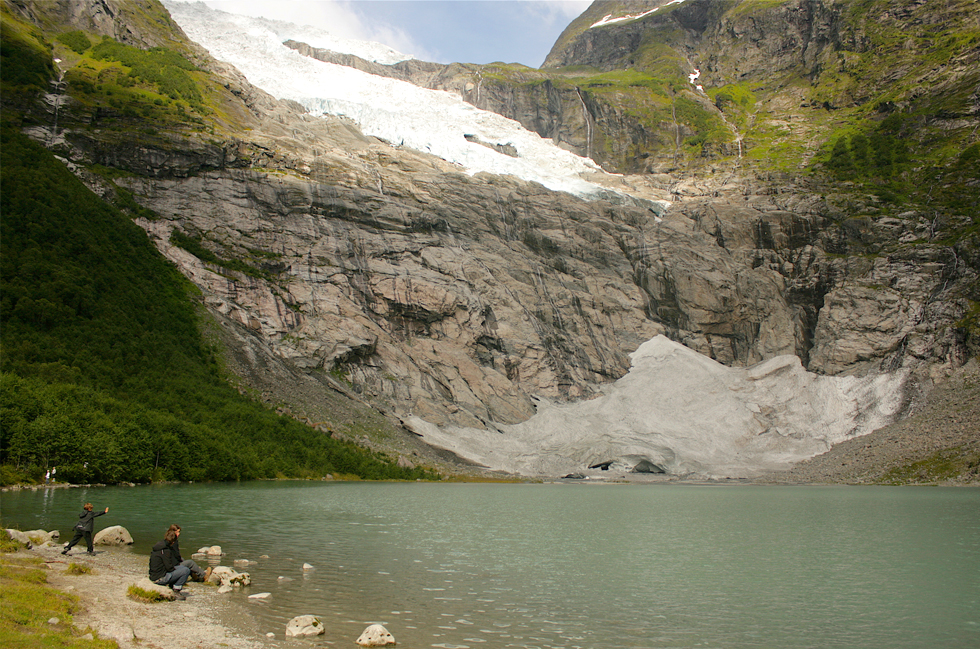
(353, 19)
(568, 10)
(338, 17)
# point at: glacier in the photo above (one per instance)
(680, 413)
(398, 112)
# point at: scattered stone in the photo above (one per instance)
(226, 576)
(281, 578)
(376, 636)
(304, 625)
(53, 620)
(214, 550)
(241, 562)
(260, 596)
(307, 566)
(88, 636)
(264, 556)
(270, 634)
(225, 589)
(115, 536)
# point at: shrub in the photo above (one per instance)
(76, 41)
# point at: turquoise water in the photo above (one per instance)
(578, 565)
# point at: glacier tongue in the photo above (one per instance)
(683, 413)
(403, 114)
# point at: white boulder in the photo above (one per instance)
(115, 535)
(304, 625)
(213, 551)
(376, 636)
(20, 537)
(42, 538)
(225, 576)
(164, 591)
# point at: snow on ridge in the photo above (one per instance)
(368, 50)
(399, 112)
(609, 20)
(688, 415)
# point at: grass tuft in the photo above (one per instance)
(78, 569)
(146, 596)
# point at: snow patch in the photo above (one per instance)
(693, 77)
(609, 20)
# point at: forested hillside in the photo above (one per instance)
(105, 373)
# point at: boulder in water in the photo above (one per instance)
(304, 625)
(225, 576)
(376, 636)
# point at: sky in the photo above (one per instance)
(444, 31)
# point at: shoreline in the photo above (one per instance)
(206, 619)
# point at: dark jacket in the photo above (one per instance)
(87, 520)
(162, 560)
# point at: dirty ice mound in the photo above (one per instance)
(681, 413)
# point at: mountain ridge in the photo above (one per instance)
(749, 265)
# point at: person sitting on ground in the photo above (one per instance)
(84, 527)
(165, 568)
(196, 573)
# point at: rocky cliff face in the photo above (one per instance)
(455, 299)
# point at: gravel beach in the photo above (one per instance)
(206, 619)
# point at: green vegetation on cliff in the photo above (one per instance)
(25, 58)
(104, 372)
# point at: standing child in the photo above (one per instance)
(84, 527)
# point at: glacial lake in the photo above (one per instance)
(593, 566)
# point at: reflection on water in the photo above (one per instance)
(590, 566)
